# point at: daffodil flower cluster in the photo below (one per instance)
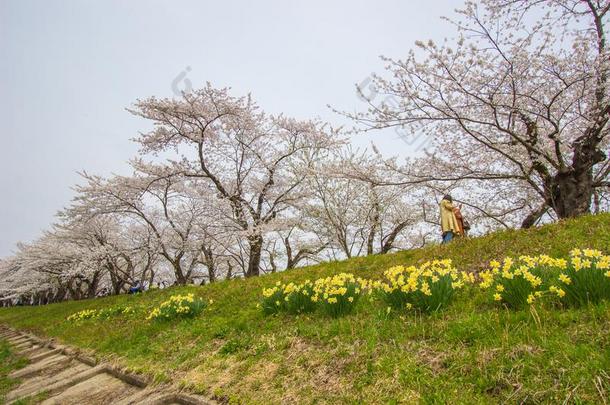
(426, 288)
(339, 294)
(104, 313)
(336, 295)
(82, 315)
(583, 277)
(292, 298)
(517, 283)
(178, 306)
(274, 299)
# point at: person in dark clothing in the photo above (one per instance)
(136, 288)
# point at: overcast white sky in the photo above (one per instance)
(68, 69)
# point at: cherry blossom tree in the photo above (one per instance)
(352, 211)
(254, 161)
(298, 244)
(521, 98)
(157, 199)
(19, 285)
(50, 261)
(292, 243)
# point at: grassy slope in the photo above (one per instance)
(473, 352)
(9, 361)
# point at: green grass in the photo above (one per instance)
(473, 352)
(9, 361)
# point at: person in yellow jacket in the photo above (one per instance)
(449, 223)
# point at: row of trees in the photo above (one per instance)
(519, 107)
(520, 100)
(219, 190)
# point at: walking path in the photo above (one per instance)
(64, 377)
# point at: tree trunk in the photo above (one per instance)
(181, 278)
(369, 241)
(272, 263)
(255, 243)
(209, 263)
(345, 247)
(571, 189)
(388, 244)
(533, 217)
(117, 284)
(229, 270)
(571, 193)
(93, 284)
(289, 261)
(212, 274)
(60, 294)
(151, 278)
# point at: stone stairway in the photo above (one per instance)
(62, 376)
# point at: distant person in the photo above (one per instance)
(463, 225)
(449, 223)
(136, 288)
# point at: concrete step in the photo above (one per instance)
(18, 340)
(48, 352)
(62, 385)
(65, 377)
(51, 364)
(40, 383)
(100, 389)
(25, 345)
(34, 350)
